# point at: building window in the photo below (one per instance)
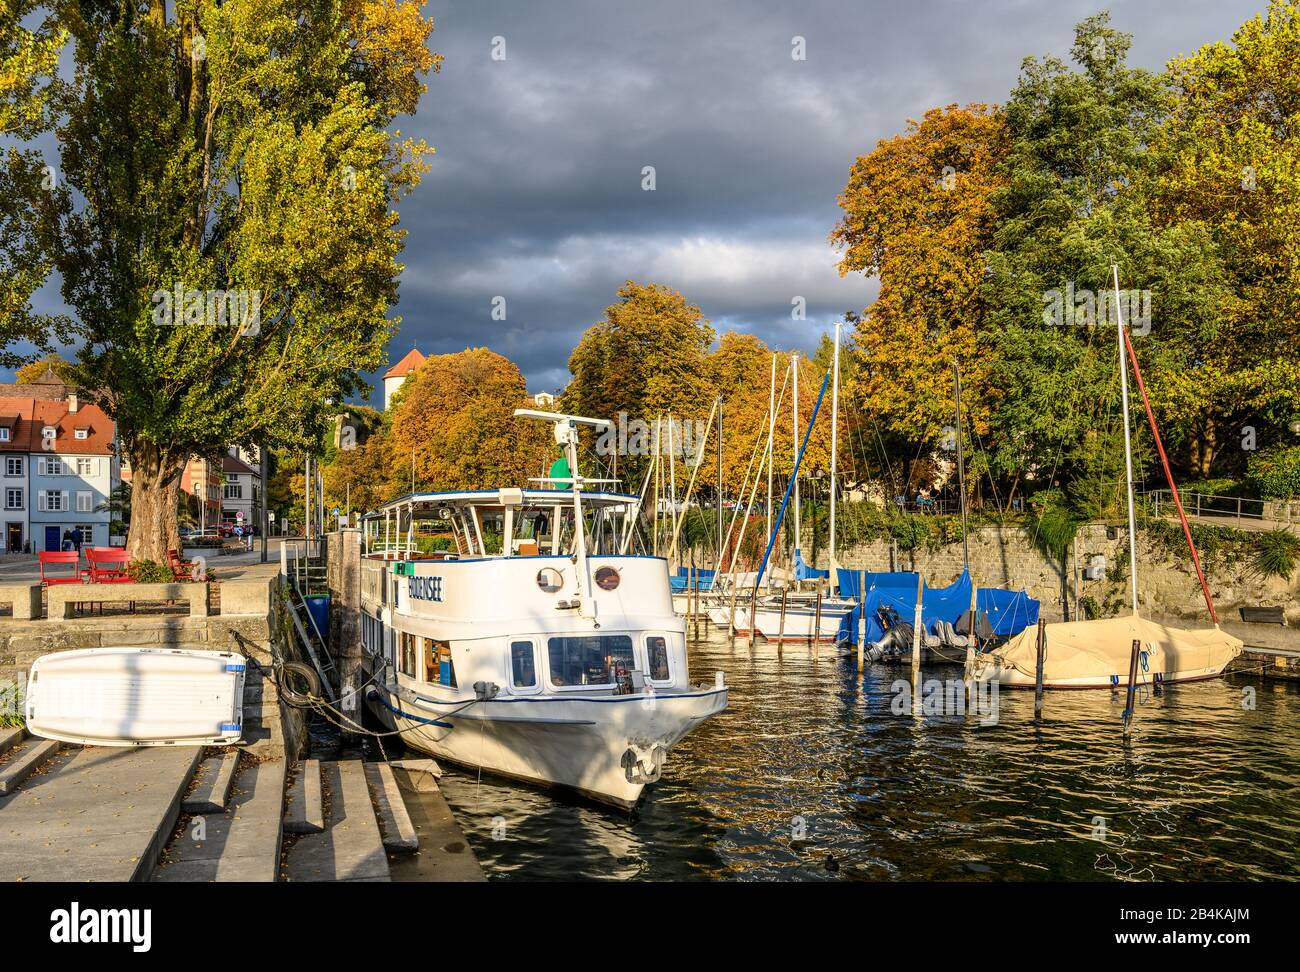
(13, 465)
(85, 502)
(53, 500)
(85, 467)
(81, 434)
(234, 491)
(53, 466)
(87, 533)
(589, 660)
(4, 434)
(13, 499)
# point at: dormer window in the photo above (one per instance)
(81, 434)
(4, 434)
(50, 432)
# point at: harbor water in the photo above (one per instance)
(811, 775)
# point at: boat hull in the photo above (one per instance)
(607, 749)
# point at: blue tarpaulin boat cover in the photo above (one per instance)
(1008, 612)
(803, 572)
(682, 582)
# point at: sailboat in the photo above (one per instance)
(1097, 653)
(806, 617)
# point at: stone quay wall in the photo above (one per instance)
(1005, 556)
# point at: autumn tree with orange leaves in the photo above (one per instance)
(455, 418)
(917, 215)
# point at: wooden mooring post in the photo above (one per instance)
(1132, 685)
(916, 646)
(817, 626)
(1038, 668)
(780, 635)
(753, 615)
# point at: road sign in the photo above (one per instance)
(239, 515)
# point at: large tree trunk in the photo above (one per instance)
(155, 487)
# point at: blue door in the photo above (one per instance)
(52, 538)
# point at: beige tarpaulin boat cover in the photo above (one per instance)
(1101, 649)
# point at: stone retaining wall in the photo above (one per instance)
(1004, 556)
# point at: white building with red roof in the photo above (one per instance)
(398, 373)
(58, 468)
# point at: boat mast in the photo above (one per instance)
(835, 429)
(794, 472)
(1128, 444)
(718, 445)
(771, 432)
(672, 471)
(961, 464)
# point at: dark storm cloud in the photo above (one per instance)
(536, 196)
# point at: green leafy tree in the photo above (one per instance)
(1075, 199)
(1232, 170)
(231, 244)
(28, 60)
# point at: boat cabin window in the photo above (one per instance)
(408, 654)
(656, 649)
(590, 659)
(523, 664)
(439, 669)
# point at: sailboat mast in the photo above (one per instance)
(835, 435)
(1128, 444)
(961, 463)
(794, 473)
(718, 563)
(771, 433)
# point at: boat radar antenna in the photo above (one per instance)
(566, 435)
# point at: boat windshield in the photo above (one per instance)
(486, 529)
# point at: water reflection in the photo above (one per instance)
(810, 776)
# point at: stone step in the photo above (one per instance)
(390, 808)
(26, 758)
(351, 847)
(240, 843)
(9, 738)
(216, 775)
(105, 814)
(305, 813)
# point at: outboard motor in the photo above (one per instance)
(897, 639)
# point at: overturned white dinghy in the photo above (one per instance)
(137, 697)
(1096, 654)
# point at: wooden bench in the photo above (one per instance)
(61, 600)
(1263, 615)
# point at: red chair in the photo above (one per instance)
(49, 558)
(180, 567)
(108, 565)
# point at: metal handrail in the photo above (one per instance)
(1208, 504)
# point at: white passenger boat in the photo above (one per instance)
(531, 648)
